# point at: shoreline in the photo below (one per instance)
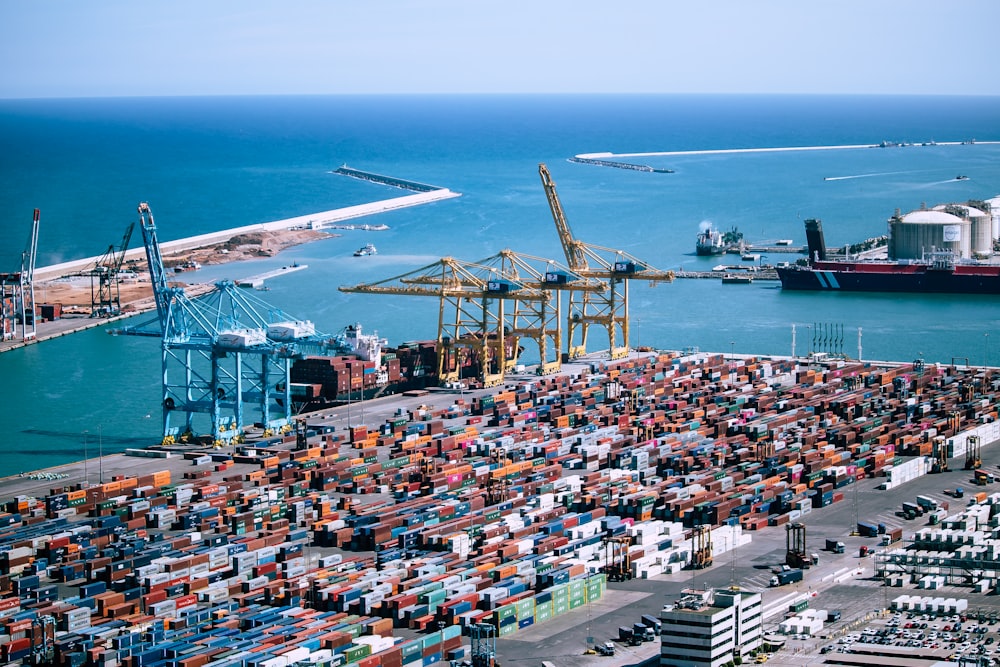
(312, 221)
(306, 228)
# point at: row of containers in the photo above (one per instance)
(505, 516)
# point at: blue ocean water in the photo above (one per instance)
(205, 164)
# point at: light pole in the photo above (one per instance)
(86, 475)
(732, 361)
(986, 349)
(100, 453)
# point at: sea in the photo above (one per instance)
(210, 163)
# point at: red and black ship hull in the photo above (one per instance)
(891, 277)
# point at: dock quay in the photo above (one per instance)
(384, 540)
(756, 275)
(798, 250)
(257, 281)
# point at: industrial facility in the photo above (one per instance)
(967, 230)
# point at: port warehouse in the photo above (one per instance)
(491, 512)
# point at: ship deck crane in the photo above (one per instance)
(608, 308)
(226, 355)
(105, 300)
(17, 292)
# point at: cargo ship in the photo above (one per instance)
(710, 241)
(366, 368)
(938, 271)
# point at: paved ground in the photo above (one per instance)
(562, 641)
(859, 597)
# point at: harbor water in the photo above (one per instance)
(206, 164)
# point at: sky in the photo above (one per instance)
(113, 48)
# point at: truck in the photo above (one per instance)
(607, 648)
(786, 577)
(912, 510)
(927, 503)
(982, 478)
(835, 546)
(627, 636)
(643, 632)
(866, 529)
(892, 536)
(652, 622)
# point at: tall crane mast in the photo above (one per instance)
(17, 291)
(608, 308)
(105, 300)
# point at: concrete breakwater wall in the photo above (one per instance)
(319, 220)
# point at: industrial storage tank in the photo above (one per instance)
(980, 225)
(923, 231)
(994, 205)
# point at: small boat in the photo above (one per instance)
(366, 250)
(730, 279)
(749, 257)
(783, 242)
(961, 177)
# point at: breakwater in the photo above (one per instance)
(386, 180)
(321, 220)
(620, 165)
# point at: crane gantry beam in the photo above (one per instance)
(226, 354)
(473, 317)
(615, 268)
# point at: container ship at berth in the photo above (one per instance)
(944, 250)
(367, 369)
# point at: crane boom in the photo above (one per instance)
(157, 274)
(576, 259)
(615, 268)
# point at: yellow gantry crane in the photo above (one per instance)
(474, 320)
(615, 268)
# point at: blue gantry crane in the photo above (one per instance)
(226, 356)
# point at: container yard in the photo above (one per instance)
(431, 533)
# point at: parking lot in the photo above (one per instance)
(951, 636)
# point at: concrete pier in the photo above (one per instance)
(257, 281)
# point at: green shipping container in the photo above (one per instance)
(355, 653)
(576, 603)
(505, 611)
(508, 629)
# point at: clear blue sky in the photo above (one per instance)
(85, 48)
